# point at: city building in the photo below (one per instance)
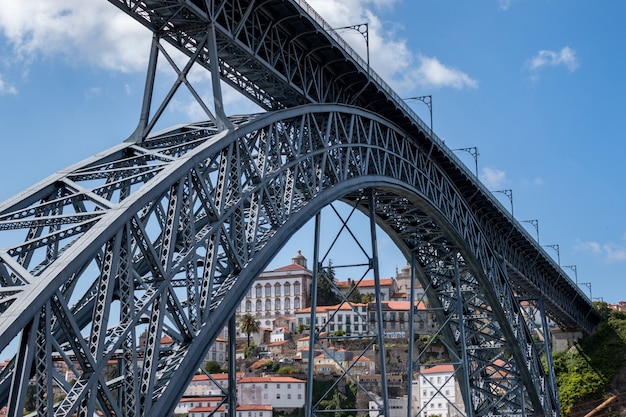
(388, 287)
(349, 318)
(280, 392)
(278, 293)
(334, 361)
(436, 393)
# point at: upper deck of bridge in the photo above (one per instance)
(281, 53)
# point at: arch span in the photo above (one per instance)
(162, 240)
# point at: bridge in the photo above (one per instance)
(164, 234)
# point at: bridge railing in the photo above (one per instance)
(402, 104)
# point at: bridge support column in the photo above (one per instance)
(379, 311)
(313, 319)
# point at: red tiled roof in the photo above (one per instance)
(291, 267)
(275, 379)
(439, 369)
(384, 282)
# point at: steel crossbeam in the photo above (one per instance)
(162, 235)
(142, 243)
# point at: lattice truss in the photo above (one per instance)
(164, 238)
(274, 52)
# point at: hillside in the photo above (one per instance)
(592, 374)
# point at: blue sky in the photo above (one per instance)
(538, 86)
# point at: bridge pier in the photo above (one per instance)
(563, 340)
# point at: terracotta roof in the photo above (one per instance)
(322, 309)
(291, 267)
(264, 379)
(384, 282)
(217, 377)
(403, 305)
(439, 369)
(277, 343)
(194, 399)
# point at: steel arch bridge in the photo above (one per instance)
(164, 233)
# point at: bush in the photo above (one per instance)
(585, 372)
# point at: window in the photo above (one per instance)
(258, 291)
(296, 303)
(248, 305)
(287, 289)
(258, 305)
(288, 396)
(277, 304)
(296, 288)
(287, 304)
(268, 305)
(277, 290)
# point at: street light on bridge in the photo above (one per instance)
(428, 101)
(363, 29)
(573, 268)
(535, 223)
(472, 151)
(509, 194)
(558, 253)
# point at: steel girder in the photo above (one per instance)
(278, 53)
(164, 239)
(281, 53)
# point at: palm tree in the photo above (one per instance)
(248, 324)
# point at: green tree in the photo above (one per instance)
(367, 298)
(326, 284)
(213, 367)
(248, 324)
(355, 295)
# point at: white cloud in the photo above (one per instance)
(434, 73)
(390, 56)
(82, 31)
(537, 182)
(609, 252)
(566, 57)
(493, 177)
(6, 88)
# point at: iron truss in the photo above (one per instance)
(165, 237)
(164, 234)
(282, 54)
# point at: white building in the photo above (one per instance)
(279, 293)
(242, 411)
(346, 317)
(397, 407)
(217, 351)
(281, 392)
(203, 386)
(435, 392)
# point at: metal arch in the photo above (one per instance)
(284, 77)
(135, 222)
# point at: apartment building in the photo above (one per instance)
(278, 293)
